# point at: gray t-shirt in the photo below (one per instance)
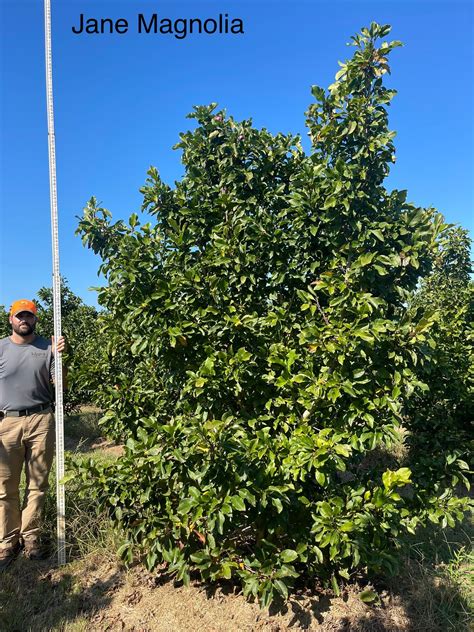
(25, 373)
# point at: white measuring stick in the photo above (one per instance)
(61, 503)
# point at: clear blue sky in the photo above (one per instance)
(121, 101)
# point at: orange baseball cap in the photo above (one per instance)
(23, 305)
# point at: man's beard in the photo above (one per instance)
(24, 329)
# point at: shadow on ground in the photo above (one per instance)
(82, 430)
(433, 590)
(96, 594)
(34, 596)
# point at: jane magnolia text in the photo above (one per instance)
(180, 27)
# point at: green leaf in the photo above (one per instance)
(288, 555)
(377, 233)
(277, 504)
(318, 553)
(226, 571)
(266, 594)
(251, 586)
(330, 202)
(199, 557)
(281, 587)
(123, 550)
(347, 526)
(344, 450)
(325, 509)
(185, 506)
(392, 479)
(352, 127)
(365, 259)
(237, 503)
(320, 477)
(369, 596)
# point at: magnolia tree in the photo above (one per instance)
(260, 346)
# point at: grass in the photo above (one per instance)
(432, 593)
(82, 429)
(88, 529)
(440, 579)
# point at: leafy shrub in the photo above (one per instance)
(440, 419)
(260, 345)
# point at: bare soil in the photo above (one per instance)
(97, 594)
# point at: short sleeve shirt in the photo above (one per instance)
(25, 373)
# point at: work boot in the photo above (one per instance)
(9, 555)
(36, 550)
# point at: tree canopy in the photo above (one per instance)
(260, 346)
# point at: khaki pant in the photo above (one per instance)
(27, 441)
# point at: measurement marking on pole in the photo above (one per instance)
(61, 501)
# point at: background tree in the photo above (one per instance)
(5, 327)
(260, 346)
(79, 326)
(440, 419)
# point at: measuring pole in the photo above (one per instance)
(61, 508)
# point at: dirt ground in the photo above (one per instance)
(99, 595)
(96, 593)
(138, 605)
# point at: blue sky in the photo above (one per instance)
(121, 102)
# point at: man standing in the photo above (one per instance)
(26, 432)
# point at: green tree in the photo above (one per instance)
(441, 418)
(259, 345)
(5, 327)
(79, 326)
